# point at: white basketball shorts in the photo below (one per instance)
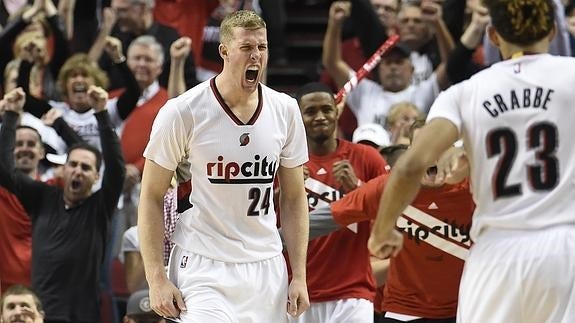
(351, 310)
(216, 291)
(520, 276)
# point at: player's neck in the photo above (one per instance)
(233, 93)
(509, 50)
(322, 148)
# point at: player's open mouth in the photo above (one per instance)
(252, 74)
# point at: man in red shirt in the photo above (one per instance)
(436, 226)
(15, 225)
(336, 167)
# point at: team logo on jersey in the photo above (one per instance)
(244, 139)
(320, 194)
(447, 235)
(256, 171)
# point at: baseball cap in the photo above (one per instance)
(401, 49)
(371, 132)
(139, 304)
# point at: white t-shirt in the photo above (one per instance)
(422, 67)
(130, 242)
(233, 166)
(516, 120)
(370, 103)
(85, 124)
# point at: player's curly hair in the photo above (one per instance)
(242, 18)
(522, 22)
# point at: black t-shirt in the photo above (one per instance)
(67, 244)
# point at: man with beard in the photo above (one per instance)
(336, 167)
(70, 223)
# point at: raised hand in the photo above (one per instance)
(339, 10)
(431, 11)
(14, 100)
(109, 18)
(32, 52)
(480, 17)
(113, 48)
(49, 117)
(29, 13)
(97, 98)
(180, 48)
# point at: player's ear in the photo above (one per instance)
(493, 36)
(223, 51)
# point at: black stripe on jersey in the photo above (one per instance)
(241, 180)
(229, 111)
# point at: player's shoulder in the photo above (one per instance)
(199, 91)
(278, 98)
(192, 97)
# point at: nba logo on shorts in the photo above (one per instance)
(184, 262)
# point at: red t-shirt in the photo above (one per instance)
(15, 242)
(326, 278)
(188, 17)
(423, 280)
(137, 129)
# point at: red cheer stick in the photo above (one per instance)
(367, 67)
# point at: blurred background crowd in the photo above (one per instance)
(144, 52)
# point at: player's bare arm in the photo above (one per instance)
(331, 55)
(295, 229)
(165, 298)
(404, 182)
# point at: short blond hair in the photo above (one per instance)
(242, 18)
(397, 109)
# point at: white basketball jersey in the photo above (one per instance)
(517, 120)
(233, 166)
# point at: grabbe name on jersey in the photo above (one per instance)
(536, 98)
(257, 171)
